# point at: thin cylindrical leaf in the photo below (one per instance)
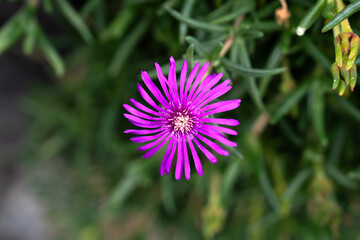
(199, 48)
(89, 7)
(215, 53)
(342, 15)
(186, 11)
(122, 191)
(269, 26)
(51, 54)
(310, 17)
(31, 32)
(242, 9)
(250, 72)
(354, 175)
(269, 191)
(126, 47)
(295, 185)
(282, 108)
(75, 19)
(230, 176)
(317, 112)
(189, 56)
(252, 34)
(221, 10)
(250, 81)
(337, 146)
(197, 24)
(12, 30)
(118, 26)
(340, 177)
(273, 61)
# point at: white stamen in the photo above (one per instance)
(182, 123)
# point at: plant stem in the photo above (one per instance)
(344, 25)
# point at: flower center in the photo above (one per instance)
(181, 123)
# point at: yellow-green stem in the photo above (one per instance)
(345, 25)
(336, 30)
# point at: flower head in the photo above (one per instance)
(181, 117)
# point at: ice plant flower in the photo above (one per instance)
(181, 117)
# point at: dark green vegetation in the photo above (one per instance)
(295, 174)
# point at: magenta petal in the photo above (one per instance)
(230, 104)
(144, 125)
(172, 81)
(170, 158)
(146, 138)
(205, 88)
(190, 79)
(196, 158)
(220, 109)
(216, 90)
(163, 163)
(202, 86)
(186, 161)
(143, 131)
(144, 108)
(198, 79)
(138, 113)
(218, 137)
(153, 89)
(182, 80)
(213, 95)
(152, 144)
(148, 99)
(229, 122)
(179, 162)
(214, 146)
(219, 129)
(139, 120)
(163, 81)
(155, 149)
(207, 153)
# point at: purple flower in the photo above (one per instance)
(181, 117)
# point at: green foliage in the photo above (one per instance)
(343, 14)
(295, 172)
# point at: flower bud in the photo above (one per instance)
(345, 41)
(353, 77)
(342, 88)
(354, 47)
(338, 52)
(336, 75)
(345, 75)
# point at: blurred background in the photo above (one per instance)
(67, 171)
